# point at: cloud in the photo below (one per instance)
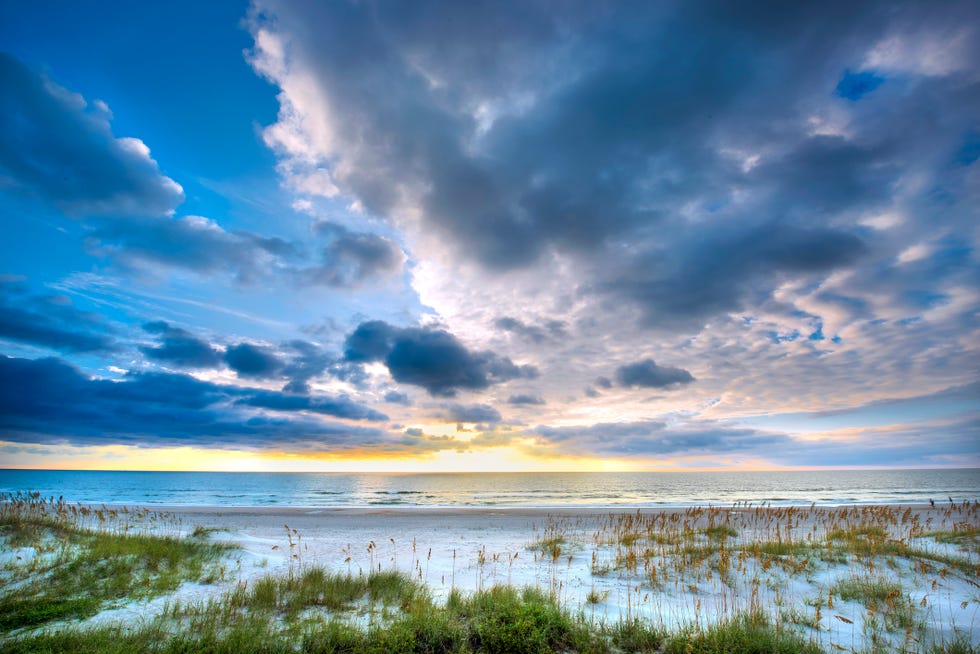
(370, 341)
(50, 321)
(47, 400)
(701, 276)
(525, 399)
(394, 397)
(307, 361)
(470, 413)
(341, 407)
(297, 361)
(647, 374)
(417, 440)
(191, 243)
(650, 438)
(353, 258)
(668, 178)
(551, 330)
(252, 361)
(179, 347)
(712, 442)
(431, 358)
(57, 146)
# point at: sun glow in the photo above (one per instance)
(123, 457)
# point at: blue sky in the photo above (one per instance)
(433, 236)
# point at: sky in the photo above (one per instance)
(475, 236)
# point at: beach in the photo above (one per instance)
(662, 565)
(839, 576)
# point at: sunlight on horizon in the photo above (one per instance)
(491, 459)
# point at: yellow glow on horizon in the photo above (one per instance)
(126, 457)
(490, 459)
(505, 458)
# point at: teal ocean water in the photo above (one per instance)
(638, 489)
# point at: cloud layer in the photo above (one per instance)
(680, 233)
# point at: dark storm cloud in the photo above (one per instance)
(57, 146)
(525, 399)
(252, 361)
(179, 347)
(550, 330)
(352, 258)
(704, 274)
(50, 321)
(683, 155)
(470, 413)
(431, 358)
(50, 400)
(647, 374)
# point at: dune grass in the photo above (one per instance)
(493, 621)
(74, 570)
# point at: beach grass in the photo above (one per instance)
(71, 568)
(492, 621)
(703, 579)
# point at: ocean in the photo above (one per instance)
(604, 489)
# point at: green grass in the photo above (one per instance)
(867, 590)
(720, 532)
(16, 612)
(801, 618)
(316, 588)
(959, 645)
(79, 571)
(778, 548)
(636, 636)
(552, 547)
(596, 597)
(504, 619)
(964, 536)
(500, 619)
(882, 597)
(747, 634)
(869, 541)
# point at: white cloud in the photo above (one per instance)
(924, 52)
(914, 253)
